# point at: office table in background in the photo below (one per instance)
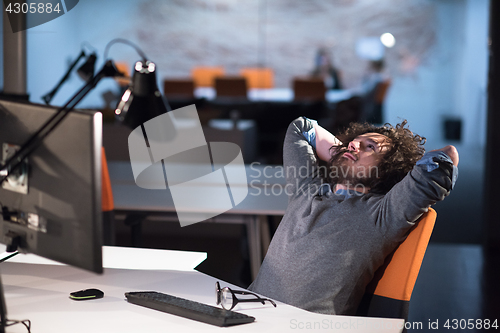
(266, 197)
(40, 292)
(274, 94)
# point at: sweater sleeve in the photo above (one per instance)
(303, 173)
(430, 181)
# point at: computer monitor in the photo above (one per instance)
(51, 205)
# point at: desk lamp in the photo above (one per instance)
(48, 97)
(142, 100)
(143, 87)
(16, 160)
(86, 72)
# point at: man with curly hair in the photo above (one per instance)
(401, 151)
(344, 219)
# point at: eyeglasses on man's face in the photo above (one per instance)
(226, 297)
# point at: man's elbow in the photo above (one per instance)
(452, 152)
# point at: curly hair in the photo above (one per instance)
(406, 149)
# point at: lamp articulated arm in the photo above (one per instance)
(108, 70)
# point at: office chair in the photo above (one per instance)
(231, 86)
(204, 76)
(108, 206)
(309, 89)
(346, 112)
(178, 88)
(388, 294)
(123, 68)
(261, 78)
(380, 93)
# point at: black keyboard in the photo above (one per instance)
(187, 309)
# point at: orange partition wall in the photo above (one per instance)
(258, 77)
(204, 76)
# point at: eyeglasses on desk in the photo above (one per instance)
(226, 297)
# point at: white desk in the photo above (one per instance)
(127, 258)
(41, 293)
(267, 196)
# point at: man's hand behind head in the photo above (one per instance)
(451, 151)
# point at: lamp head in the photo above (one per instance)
(142, 100)
(86, 71)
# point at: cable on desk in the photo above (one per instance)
(25, 322)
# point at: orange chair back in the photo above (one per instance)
(204, 76)
(389, 292)
(260, 78)
(107, 192)
(123, 68)
(397, 277)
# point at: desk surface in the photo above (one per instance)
(128, 258)
(41, 293)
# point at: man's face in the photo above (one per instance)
(359, 163)
(367, 150)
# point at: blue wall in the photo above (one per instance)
(452, 84)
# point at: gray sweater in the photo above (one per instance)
(327, 247)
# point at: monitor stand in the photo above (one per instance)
(3, 308)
